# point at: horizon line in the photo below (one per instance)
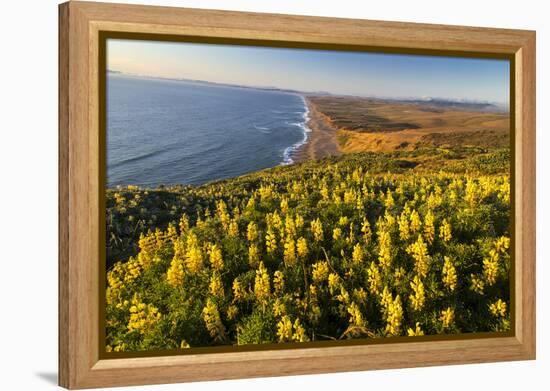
(291, 90)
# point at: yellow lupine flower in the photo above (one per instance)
(415, 224)
(419, 252)
(403, 222)
(502, 244)
(212, 320)
(317, 230)
(418, 296)
(262, 287)
(251, 203)
(374, 280)
(301, 247)
(417, 331)
(299, 334)
(490, 267)
(221, 211)
(343, 221)
(239, 291)
(360, 295)
(449, 274)
(216, 286)
(477, 284)
(266, 192)
(184, 344)
(394, 316)
(471, 192)
(284, 205)
(498, 308)
(389, 202)
(184, 224)
(233, 229)
(445, 231)
(284, 329)
(429, 228)
(447, 317)
(270, 241)
(333, 282)
(252, 231)
(216, 259)
(194, 261)
(356, 318)
(278, 282)
(143, 317)
(175, 272)
(358, 254)
(320, 271)
(366, 231)
(299, 222)
(386, 297)
(253, 255)
(384, 249)
(279, 308)
(337, 233)
(232, 312)
(290, 227)
(289, 254)
(324, 192)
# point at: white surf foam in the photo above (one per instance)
(289, 151)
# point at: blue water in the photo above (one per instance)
(179, 132)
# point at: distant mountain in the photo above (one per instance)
(459, 104)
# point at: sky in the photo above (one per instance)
(338, 72)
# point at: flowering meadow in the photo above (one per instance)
(367, 245)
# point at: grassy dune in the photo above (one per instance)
(363, 124)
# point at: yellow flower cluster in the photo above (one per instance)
(320, 272)
(445, 231)
(291, 332)
(416, 332)
(143, 317)
(418, 296)
(498, 308)
(216, 259)
(419, 252)
(212, 320)
(447, 317)
(449, 274)
(332, 253)
(394, 315)
(261, 284)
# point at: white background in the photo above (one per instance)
(28, 194)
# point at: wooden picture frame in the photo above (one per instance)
(80, 26)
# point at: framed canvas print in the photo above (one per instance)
(248, 195)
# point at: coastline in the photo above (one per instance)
(289, 154)
(320, 138)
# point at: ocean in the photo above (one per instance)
(182, 132)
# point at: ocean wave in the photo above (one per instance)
(137, 158)
(263, 129)
(289, 151)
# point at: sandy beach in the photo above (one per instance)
(322, 140)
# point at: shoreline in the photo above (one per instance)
(320, 139)
(289, 154)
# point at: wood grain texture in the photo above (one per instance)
(63, 220)
(80, 24)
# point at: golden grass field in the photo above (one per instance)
(364, 124)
